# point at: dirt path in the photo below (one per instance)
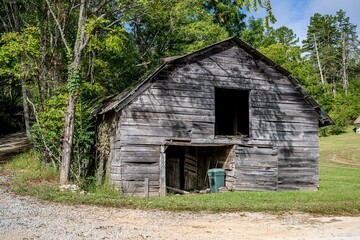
(12, 144)
(27, 218)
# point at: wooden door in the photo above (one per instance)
(173, 172)
(190, 172)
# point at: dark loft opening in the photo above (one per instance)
(231, 112)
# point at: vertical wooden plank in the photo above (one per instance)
(146, 188)
(162, 171)
(250, 114)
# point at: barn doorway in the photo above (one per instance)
(187, 166)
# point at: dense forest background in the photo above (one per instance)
(58, 58)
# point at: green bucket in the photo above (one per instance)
(216, 179)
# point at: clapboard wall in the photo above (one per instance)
(179, 104)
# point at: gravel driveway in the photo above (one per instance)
(27, 218)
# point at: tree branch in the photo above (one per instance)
(59, 27)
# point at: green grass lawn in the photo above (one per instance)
(339, 192)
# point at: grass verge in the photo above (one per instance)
(339, 191)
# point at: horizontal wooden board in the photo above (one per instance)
(296, 164)
(285, 118)
(310, 113)
(141, 140)
(140, 168)
(140, 176)
(273, 98)
(255, 150)
(303, 186)
(291, 150)
(140, 149)
(180, 93)
(284, 136)
(127, 130)
(142, 122)
(130, 158)
(167, 116)
(170, 102)
(168, 109)
(255, 188)
(294, 106)
(283, 126)
(248, 178)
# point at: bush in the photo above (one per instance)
(47, 132)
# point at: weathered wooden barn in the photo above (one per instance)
(224, 106)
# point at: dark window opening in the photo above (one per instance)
(231, 112)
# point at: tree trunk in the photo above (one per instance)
(16, 18)
(318, 61)
(344, 65)
(73, 82)
(26, 109)
(68, 139)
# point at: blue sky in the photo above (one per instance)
(295, 14)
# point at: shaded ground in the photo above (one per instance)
(12, 144)
(27, 218)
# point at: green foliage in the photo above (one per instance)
(227, 14)
(345, 108)
(19, 52)
(47, 133)
(289, 57)
(256, 34)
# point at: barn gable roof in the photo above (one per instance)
(119, 101)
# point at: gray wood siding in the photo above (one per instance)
(180, 105)
(255, 169)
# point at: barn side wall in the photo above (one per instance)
(180, 105)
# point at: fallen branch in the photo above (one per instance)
(177, 190)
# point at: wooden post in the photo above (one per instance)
(162, 171)
(146, 188)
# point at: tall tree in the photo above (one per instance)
(285, 36)
(348, 44)
(331, 40)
